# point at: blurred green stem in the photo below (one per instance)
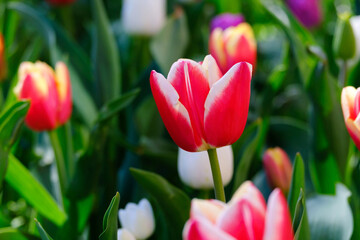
(1, 97)
(60, 162)
(343, 74)
(69, 147)
(215, 169)
(67, 18)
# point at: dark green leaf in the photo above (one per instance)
(300, 219)
(43, 233)
(19, 178)
(297, 183)
(110, 225)
(174, 202)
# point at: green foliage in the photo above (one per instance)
(110, 225)
(43, 233)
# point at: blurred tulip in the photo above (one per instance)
(355, 23)
(233, 45)
(60, 2)
(308, 12)
(278, 168)
(189, 164)
(226, 20)
(245, 217)
(3, 67)
(49, 93)
(200, 107)
(124, 234)
(138, 219)
(344, 45)
(143, 17)
(350, 103)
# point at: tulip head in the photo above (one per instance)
(3, 67)
(355, 23)
(189, 164)
(350, 103)
(226, 20)
(244, 217)
(49, 94)
(200, 107)
(143, 17)
(308, 12)
(278, 168)
(123, 234)
(344, 45)
(232, 45)
(138, 219)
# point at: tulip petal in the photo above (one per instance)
(348, 102)
(212, 70)
(353, 128)
(201, 229)
(227, 106)
(217, 48)
(210, 209)
(243, 220)
(64, 89)
(278, 221)
(173, 113)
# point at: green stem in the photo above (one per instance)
(215, 169)
(343, 74)
(60, 162)
(69, 147)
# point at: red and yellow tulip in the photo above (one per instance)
(245, 217)
(350, 103)
(49, 93)
(202, 108)
(278, 168)
(233, 45)
(3, 68)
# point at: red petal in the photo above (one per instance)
(278, 221)
(243, 220)
(210, 209)
(173, 113)
(227, 106)
(64, 89)
(245, 52)
(201, 229)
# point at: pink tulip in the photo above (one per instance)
(232, 45)
(49, 93)
(350, 103)
(244, 217)
(200, 107)
(278, 168)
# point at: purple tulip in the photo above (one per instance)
(308, 12)
(226, 20)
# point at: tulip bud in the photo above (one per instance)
(124, 234)
(233, 45)
(226, 20)
(3, 67)
(355, 23)
(49, 94)
(344, 40)
(278, 168)
(189, 164)
(308, 12)
(143, 17)
(138, 219)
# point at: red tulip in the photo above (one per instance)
(3, 68)
(49, 93)
(350, 103)
(200, 107)
(244, 217)
(278, 168)
(233, 45)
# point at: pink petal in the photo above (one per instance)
(242, 220)
(201, 229)
(173, 113)
(353, 128)
(227, 106)
(209, 209)
(190, 82)
(278, 221)
(64, 89)
(348, 102)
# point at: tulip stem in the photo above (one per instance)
(215, 169)
(60, 161)
(343, 74)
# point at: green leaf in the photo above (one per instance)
(242, 170)
(174, 202)
(116, 105)
(330, 217)
(11, 234)
(297, 183)
(110, 225)
(19, 178)
(105, 55)
(170, 43)
(43, 233)
(300, 219)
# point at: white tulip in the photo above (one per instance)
(195, 171)
(138, 219)
(124, 234)
(355, 23)
(143, 17)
